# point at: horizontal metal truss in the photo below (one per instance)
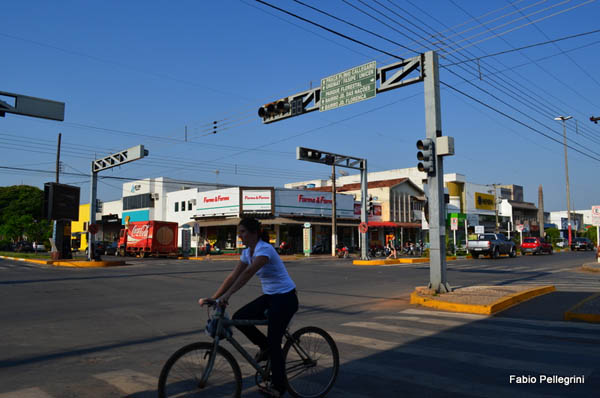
(389, 77)
(116, 159)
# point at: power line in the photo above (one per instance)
(479, 101)
(524, 47)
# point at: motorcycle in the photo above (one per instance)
(342, 252)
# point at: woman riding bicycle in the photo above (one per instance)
(279, 298)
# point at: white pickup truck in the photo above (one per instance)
(492, 245)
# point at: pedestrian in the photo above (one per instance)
(279, 298)
(392, 249)
(207, 248)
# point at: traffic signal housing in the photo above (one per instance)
(426, 155)
(280, 109)
(370, 205)
(309, 155)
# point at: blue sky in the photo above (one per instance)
(138, 72)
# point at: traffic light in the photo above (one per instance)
(280, 109)
(370, 205)
(310, 155)
(426, 156)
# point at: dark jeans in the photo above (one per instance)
(281, 309)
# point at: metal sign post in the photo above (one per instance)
(396, 75)
(116, 159)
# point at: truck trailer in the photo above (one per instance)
(149, 238)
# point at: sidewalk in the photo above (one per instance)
(490, 300)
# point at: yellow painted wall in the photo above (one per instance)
(77, 226)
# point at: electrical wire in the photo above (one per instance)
(471, 97)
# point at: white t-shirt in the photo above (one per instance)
(274, 277)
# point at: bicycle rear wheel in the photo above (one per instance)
(312, 363)
(180, 377)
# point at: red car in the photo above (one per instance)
(535, 246)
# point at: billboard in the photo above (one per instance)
(61, 202)
(484, 201)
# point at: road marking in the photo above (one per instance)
(402, 374)
(533, 322)
(129, 381)
(26, 393)
(471, 358)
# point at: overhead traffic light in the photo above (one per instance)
(370, 205)
(426, 156)
(280, 109)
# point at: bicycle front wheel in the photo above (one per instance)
(312, 363)
(182, 373)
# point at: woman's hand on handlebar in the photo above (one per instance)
(206, 301)
(212, 302)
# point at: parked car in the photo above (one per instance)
(112, 249)
(535, 246)
(491, 245)
(23, 246)
(582, 244)
(561, 242)
(39, 247)
(99, 248)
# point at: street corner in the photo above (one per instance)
(483, 300)
(587, 310)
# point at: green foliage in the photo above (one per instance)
(21, 214)
(552, 234)
(591, 235)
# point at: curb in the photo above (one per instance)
(29, 260)
(495, 307)
(67, 263)
(571, 315)
(399, 261)
(590, 269)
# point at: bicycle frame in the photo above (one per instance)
(223, 323)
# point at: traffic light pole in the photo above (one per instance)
(108, 162)
(333, 213)
(435, 180)
(364, 241)
(93, 195)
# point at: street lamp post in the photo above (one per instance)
(564, 119)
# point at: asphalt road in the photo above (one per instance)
(106, 332)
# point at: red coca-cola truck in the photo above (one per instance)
(149, 238)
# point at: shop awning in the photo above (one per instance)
(272, 221)
(391, 224)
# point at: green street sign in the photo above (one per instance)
(348, 87)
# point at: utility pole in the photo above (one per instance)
(333, 213)
(541, 210)
(58, 157)
(564, 120)
(497, 229)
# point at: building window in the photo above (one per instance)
(176, 207)
(138, 201)
(189, 205)
(182, 205)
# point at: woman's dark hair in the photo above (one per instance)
(253, 226)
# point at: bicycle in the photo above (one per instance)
(206, 369)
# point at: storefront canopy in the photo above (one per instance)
(273, 221)
(390, 224)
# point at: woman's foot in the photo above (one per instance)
(270, 392)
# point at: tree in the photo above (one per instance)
(18, 200)
(591, 235)
(552, 234)
(21, 214)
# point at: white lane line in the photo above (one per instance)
(533, 322)
(129, 381)
(502, 341)
(476, 359)
(26, 393)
